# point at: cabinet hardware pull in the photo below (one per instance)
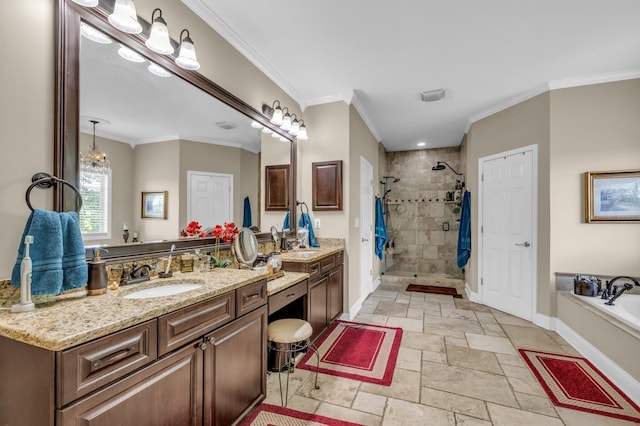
(252, 296)
(290, 295)
(212, 340)
(111, 358)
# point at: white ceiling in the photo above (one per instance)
(380, 55)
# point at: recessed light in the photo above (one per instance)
(421, 143)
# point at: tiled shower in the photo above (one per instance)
(422, 224)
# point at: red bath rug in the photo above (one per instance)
(364, 352)
(573, 382)
(267, 415)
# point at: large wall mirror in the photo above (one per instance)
(163, 129)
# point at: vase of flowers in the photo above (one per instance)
(193, 230)
(225, 234)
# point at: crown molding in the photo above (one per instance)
(219, 26)
(548, 86)
(358, 105)
(328, 99)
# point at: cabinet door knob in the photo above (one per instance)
(203, 346)
(212, 340)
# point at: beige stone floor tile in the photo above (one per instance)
(462, 420)
(409, 359)
(415, 314)
(531, 338)
(454, 341)
(459, 314)
(506, 319)
(405, 385)
(441, 298)
(370, 403)
(403, 413)
(425, 342)
(486, 317)
(296, 380)
(439, 357)
(470, 383)
(390, 309)
(371, 319)
(531, 387)
(570, 350)
(406, 324)
(515, 360)
(473, 359)
(536, 404)
(522, 373)
(347, 414)
(493, 330)
(467, 304)
(580, 418)
(507, 416)
(300, 403)
(335, 390)
(443, 332)
(453, 324)
(490, 343)
(452, 402)
(368, 307)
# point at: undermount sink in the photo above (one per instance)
(165, 290)
(304, 253)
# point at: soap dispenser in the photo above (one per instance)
(98, 278)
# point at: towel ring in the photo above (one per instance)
(302, 203)
(45, 180)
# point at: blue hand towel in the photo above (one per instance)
(74, 264)
(45, 252)
(305, 222)
(286, 224)
(464, 234)
(246, 218)
(381, 229)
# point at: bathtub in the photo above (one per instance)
(625, 309)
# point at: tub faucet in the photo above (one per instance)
(612, 292)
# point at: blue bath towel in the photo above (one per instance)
(381, 229)
(464, 234)
(305, 222)
(286, 224)
(74, 264)
(45, 252)
(246, 218)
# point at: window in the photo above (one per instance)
(95, 216)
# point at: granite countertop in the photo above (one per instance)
(327, 247)
(63, 321)
(286, 281)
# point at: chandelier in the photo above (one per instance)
(94, 160)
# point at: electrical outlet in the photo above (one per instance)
(317, 223)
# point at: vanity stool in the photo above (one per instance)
(288, 336)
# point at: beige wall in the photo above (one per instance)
(524, 124)
(361, 144)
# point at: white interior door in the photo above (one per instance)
(209, 198)
(366, 227)
(507, 233)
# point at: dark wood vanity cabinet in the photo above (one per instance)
(325, 289)
(199, 365)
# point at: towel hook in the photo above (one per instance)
(45, 180)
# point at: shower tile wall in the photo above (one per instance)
(415, 227)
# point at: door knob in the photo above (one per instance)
(525, 244)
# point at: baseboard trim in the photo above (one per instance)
(610, 369)
(545, 321)
(471, 295)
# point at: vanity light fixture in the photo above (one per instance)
(92, 34)
(187, 54)
(286, 120)
(295, 125)
(276, 117)
(86, 3)
(302, 134)
(130, 55)
(125, 18)
(156, 69)
(94, 160)
(158, 40)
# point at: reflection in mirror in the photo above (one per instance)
(160, 133)
(246, 246)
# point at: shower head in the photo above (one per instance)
(441, 166)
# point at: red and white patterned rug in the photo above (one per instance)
(364, 352)
(573, 382)
(272, 415)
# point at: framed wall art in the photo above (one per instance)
(154, 205)
(612, 196)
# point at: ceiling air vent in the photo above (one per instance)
(432, 95)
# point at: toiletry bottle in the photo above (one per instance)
(98, 278)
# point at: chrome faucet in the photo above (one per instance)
(612, 292)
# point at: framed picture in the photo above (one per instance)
(612, 196)
(154, 205)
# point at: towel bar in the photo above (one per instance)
(45, 180)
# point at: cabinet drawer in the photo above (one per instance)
(92, 365)
(283, 298)
(327, 264)
(339, 258)
(183, 326)
(251, 296)
(313, 269)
